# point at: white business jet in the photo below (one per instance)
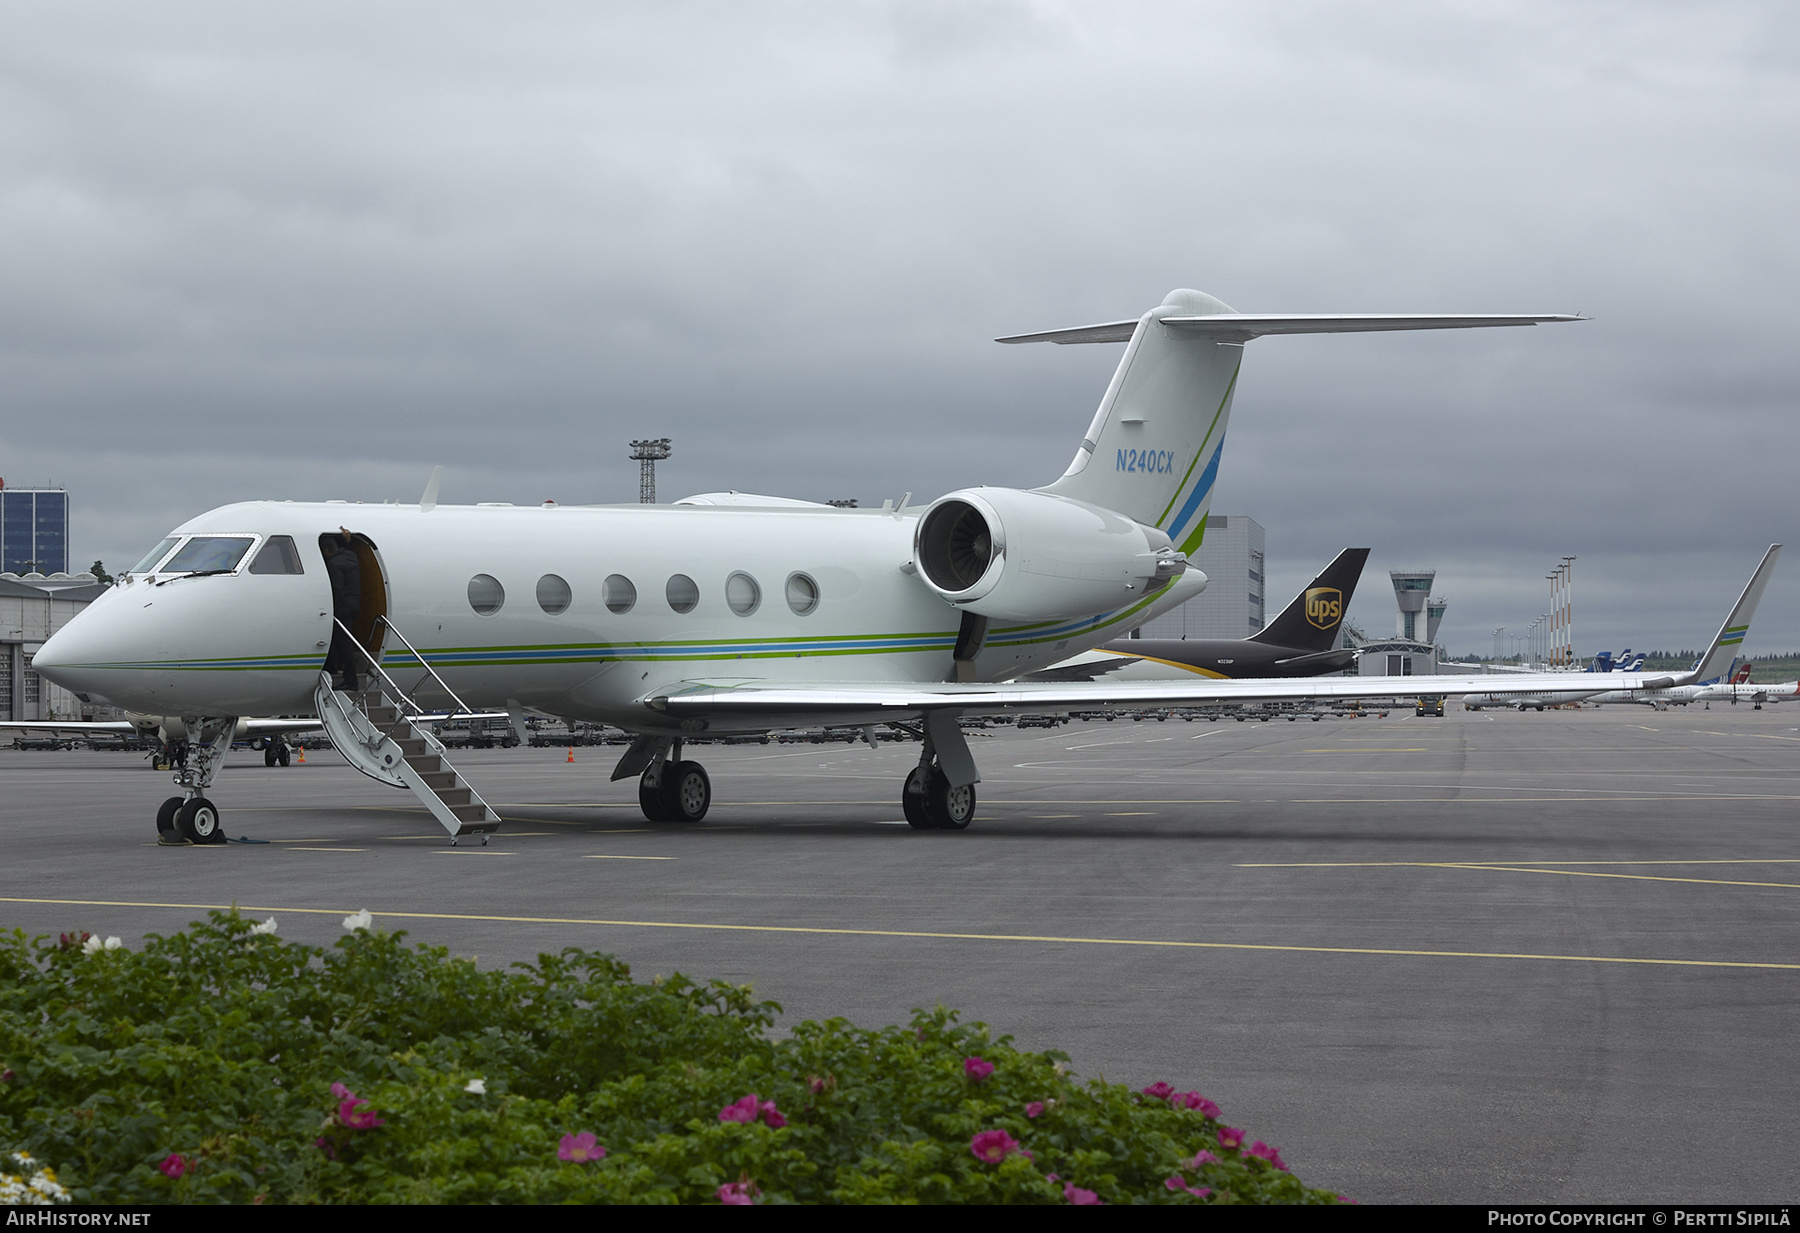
(731, 614)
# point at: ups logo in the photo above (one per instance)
(1324, 606)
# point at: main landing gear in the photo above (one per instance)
(193, 818)
(276, 751)
(939, 793)
(671, 790)
(931, 804)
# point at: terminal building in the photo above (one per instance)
(1232, 605)
(32, 608)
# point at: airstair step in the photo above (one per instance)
(454, 797)
(469, 813)
(437, 781)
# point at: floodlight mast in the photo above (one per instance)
(647, 453)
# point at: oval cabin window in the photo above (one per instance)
(553, 594)
(618, 593)
(683, 593)
(742, 595)
(802, 593)
(486, 594)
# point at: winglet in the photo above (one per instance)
(1730, 637)
(428, 502)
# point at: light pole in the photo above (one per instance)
(649, 453)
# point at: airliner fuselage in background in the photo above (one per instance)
(741, 614)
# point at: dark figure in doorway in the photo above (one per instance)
(346, 605)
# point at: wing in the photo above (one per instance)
(75, 727)
(753, 704)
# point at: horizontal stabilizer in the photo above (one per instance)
(1242, 326)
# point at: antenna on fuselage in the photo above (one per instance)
(648, 453)
(428, 502)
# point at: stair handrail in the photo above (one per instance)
(399, 692)
(463, 707)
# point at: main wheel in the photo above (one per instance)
(686, 792)
(950, 809)
(167, 828)
(650, 796)
(199, 821)
(283, 756)
(913, 800)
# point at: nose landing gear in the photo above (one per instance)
(193, 818)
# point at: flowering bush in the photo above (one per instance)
(222, 1064)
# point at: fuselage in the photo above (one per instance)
(576, 611)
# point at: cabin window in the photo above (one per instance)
(553, 594)
(683, 593)
(802, 593)
(742, 595)
(278, 556)
(153, 556)
(208, 553)
(486, 595)
(618, 593)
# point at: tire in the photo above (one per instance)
(270, 757)
(199, 821)
(950, 809)
(686, 792)
(167, 828)
(284, 756)
(650, 799)
(913, 803)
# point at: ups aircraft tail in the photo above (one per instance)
(1312, 620)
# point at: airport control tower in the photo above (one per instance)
(1412, 588)
(1413, 648)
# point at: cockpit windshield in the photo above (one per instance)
(207, 554)
(153, 556)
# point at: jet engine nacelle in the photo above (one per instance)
(1029, 556)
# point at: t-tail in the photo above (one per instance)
(1312, 620)
(1152, 452)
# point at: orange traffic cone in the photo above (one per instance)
(571, 753)
(302, 750)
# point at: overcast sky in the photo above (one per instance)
(311, 250)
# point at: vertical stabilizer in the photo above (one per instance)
(1311, 622)
(1730, 638)
(1152, 452)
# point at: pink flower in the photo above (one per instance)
(1230, 1136)
(174, 1165)
(741, 1193)
(358, 1114)
(1204, 1157)
(1034, 1108)
(324, 1145)
(1159, 1091)
(977, 1069)
(1081, 1198)
(745, 1110)
(1180, 1183)
(772, 1116)
(1051, 1177)
(993, 1146)
(580, 1148)
(1194, 1100)
(1263, 1151)
(342, 1092)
